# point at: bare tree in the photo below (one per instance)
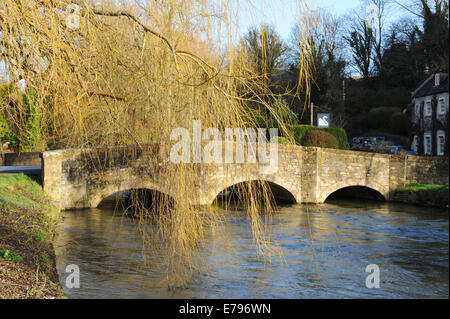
(377, 10)
(265, 49)
(361, 42)
(435, 34)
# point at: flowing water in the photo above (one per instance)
(326, 249)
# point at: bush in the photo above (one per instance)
(320, 139)
(6, 133)
(379, 117)
(283, 140)
(32, 138)
(5, 130)
(20, 119)
(358, 125)
(400, 124)
(284, 112)
(300, 132)
(5, 91)
(259, 117)
(339, 134)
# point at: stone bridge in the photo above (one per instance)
(83, 178)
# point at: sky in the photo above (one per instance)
(282, 13)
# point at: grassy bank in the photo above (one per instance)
(424, 194)
(424, 187)
(27, 226)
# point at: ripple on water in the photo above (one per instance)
(326, 249)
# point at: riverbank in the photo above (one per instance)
(424, 194)
(27, 227)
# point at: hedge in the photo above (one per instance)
(339, 133)
(320, 139)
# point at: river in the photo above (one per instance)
(326, 249)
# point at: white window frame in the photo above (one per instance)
(441, 103)
(427, 151)
(426, 108)
(417, 110)
(440, 151)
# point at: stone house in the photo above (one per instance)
(429, 116)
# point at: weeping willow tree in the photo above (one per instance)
(129, 72)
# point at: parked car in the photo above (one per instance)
(399, 149)
(363, 144)
(357, 143)
(384, 147)
(396, 149)
(368, 144)
(411, 153)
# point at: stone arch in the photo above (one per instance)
(98, 196)
(376, 191)
(277, 182)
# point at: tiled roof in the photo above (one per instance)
(428, 87)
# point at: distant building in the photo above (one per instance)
(429, 116)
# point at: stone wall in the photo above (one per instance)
(20, 159)
(340, 169)
(431, 198)
(83, 178)
(427, 170)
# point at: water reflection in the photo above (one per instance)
(325, 251)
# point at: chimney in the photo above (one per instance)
(436, 79)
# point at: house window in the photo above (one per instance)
(415, 143)
(427, 144)
(417, 110)
(428, 108)
(441, 106)
(440, 143)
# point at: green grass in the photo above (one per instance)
(424, 187)
(28, 221)
(22, 196)
(21, 191)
